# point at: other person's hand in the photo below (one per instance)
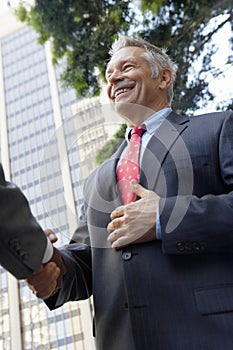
(51, 235)
(48, 279)
(44, 283)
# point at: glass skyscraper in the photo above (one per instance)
(47, 142)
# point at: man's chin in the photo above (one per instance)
(125, 109)
(132, 111)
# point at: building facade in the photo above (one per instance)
(47, 142)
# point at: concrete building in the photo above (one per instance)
(47, 142)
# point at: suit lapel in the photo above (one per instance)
(159, 146)
(153, 158)
(106, 178)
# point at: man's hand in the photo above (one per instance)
(44, 283)
(134, 222)
(48, 279)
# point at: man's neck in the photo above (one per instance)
(136, 115)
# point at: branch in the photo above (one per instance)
(209, 35)
(200, 20)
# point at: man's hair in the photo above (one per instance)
(156, 57)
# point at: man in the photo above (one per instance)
(159, 267)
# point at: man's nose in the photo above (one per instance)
(115, 77)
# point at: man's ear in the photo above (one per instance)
(165, 77)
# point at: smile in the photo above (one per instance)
(121, 91)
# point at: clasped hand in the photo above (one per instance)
(44, 282)
(134, 222)
(131, 223)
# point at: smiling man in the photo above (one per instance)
(157, 223)
(130, 80)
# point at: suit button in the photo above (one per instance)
(203, 246)
(196, 246)
(126, 255)
(180, 246)
(188, 246)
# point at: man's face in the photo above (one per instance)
(130, 80)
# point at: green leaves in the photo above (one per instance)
(81, 33)
(184, 28)
(110, 146)
(21, 13)
(153, 6)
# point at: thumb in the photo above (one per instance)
(51, 235)
(138, 189)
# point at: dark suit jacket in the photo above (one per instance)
(177, 293)
(22, 240)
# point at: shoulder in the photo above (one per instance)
(214, 116)
(214, 120)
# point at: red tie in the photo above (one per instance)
(128, 168)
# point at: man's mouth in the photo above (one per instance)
(121, 91)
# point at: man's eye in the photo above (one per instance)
(127, 66)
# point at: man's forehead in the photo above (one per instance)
(121, 60)
(126, 54)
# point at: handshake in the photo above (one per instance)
(24, 246)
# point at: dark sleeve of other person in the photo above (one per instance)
(22, 240)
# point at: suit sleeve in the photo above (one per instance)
(77, 281)
(22, 240)
(207, 225)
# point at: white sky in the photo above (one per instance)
(221, 86)
(3, 4)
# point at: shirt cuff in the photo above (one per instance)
(48, 252)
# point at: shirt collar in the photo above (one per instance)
(153, 122)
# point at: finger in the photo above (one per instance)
(42, 291)
(44, 283)
(110, 227)
(120, 242)
(118, 212)
(47, 291)
(51, 235)
(116, 234)
(115, 224)
(46, 273)
(138, 189)
(112, 237)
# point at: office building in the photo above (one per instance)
(47, 142)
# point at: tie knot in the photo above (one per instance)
(138, 130)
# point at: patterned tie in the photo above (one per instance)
(128, 168)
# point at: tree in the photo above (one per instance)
(81, 31)
(183, 27)
(110, 146)
(179, 26)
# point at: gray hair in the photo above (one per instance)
(156, 57)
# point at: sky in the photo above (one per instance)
(3, 4)
(221, 87)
